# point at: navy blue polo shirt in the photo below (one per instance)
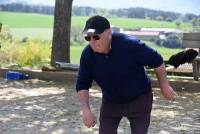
(120, 73)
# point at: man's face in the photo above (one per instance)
(100, 43)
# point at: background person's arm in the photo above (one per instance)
(88, 117)
(165, 88)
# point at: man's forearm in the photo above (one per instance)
(161, 75)
(83, 96)
(165, 88)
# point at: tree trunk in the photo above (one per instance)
(61, 33)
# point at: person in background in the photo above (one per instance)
(116, 62)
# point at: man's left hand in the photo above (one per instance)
(168, 93)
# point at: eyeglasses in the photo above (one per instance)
(88, 37)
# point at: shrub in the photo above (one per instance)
(172, 41)
(28, 53)
(33, 53)
(77, 35)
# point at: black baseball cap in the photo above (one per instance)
(96, 25)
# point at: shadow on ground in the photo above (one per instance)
(44, 107)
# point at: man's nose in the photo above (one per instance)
(92, 41)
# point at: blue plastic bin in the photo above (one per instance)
(12, 75)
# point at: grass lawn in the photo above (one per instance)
(32, 33)
(32, 20)
(75, 53)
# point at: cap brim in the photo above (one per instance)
(92, 31)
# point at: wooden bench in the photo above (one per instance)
(192, 40)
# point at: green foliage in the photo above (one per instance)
(34, 53)
(178, 23)
(196, 21)
(77, 35)
(29, 53)
(159, 18)
(171, 41)
(168, 19)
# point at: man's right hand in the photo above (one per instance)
(88, 118)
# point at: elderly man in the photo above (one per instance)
(116, 62)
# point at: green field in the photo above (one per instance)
(26, 20)
(33, 33)
(31, 20)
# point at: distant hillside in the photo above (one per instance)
(142, 13)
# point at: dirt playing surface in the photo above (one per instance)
(46, 107)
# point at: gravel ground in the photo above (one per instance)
(46, 107)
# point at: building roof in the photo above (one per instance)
(143, 33)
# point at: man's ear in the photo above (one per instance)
(110, 33)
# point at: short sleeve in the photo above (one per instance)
(147, 56)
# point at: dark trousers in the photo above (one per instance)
(137, 111)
